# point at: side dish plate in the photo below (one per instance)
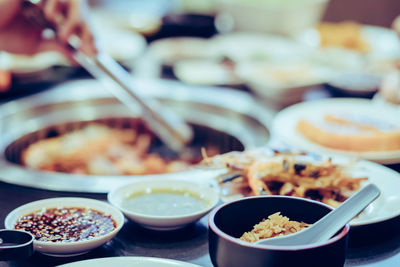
(284, 125)
(385, 207)
(129, 261)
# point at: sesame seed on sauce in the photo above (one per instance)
(66, 224)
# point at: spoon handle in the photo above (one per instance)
(336, 219)
(328, 225)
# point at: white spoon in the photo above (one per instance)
(328, 225)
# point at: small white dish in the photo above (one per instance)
(259, 47)
(26, 64)
(278, 17)
(383, 43)
(122, 45)
(168, 51)
(129, 261)
(206, 72)
(282, 82)
(67, 249)
(121, 196)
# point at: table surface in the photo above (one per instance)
(373, 245)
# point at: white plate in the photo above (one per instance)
(383, 42)
(387, 205)
(284, 125)
(379, 100)
(129, 261)
(384, 47)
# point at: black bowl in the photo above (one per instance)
(15, 244)
(354, 84)
(229, 221)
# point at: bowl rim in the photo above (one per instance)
(19, 245)
(168, 183)
(267, 5)
(119, 221)
(237, 241)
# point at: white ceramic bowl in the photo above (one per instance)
(164, 223)
(282, 83)
(274, 16)
(205, 72)
(61, 249)
(168, 51)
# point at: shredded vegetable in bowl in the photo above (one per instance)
(267, 172)
(275, 225)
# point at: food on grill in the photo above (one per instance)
(267, 172)
(275, 225)
(353, 133)
(101, 150)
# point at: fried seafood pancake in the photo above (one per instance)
(289, 174)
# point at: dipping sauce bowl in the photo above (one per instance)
(64, 227)
(164, 204)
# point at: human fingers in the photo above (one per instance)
(396, 25)
(54, 45)
(73, 20)
(75, 24)
(8, 10)
(52, 10)
(20, 36)
(87, 40)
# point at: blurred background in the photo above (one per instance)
(330, 41)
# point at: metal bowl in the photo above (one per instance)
(231, 120)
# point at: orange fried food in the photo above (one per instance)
(344, 34)
(352, 134)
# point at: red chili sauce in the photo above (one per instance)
(66, 224)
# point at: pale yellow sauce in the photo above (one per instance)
(164, 202)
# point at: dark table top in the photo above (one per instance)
(372, 245)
